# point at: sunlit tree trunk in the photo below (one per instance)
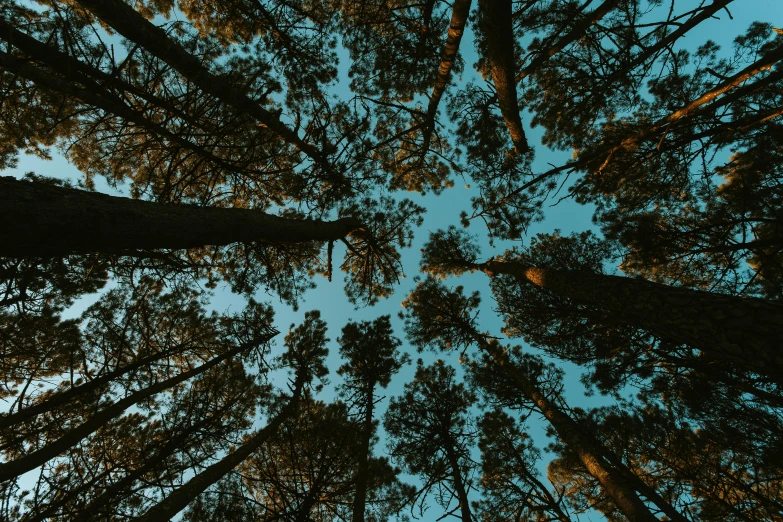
(42, 220)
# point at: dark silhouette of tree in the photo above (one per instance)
(244, 163)
(510, 378)
(430, 435)
(738, 330)
(372, 358)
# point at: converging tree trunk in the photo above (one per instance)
(184, 495)
(42, 220)
(496, 19)
(42, 455)
(362, 475)
(743, 331)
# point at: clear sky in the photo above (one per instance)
(444, 210)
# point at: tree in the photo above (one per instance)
(242, 157)
(740, 330)
(430, 435)
(511, 378)
(372, 358)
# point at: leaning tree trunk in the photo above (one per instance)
(132, 25)
(42, 220)
(614, 483)
(77, 392)
(360, 499)
(184, 495)
(742, 331)
(40, 456)
(456, 475)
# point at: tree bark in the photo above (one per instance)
(459, 18)
(184, 495)
(42, 220)
(496, 18)
(39, 457)
(742, 331)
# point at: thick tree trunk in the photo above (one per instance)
(496, 18)
(360, 498)
(745, 332)
(42, 220)
(184, 495)
(133, 26)
(574, 34)
(39, 457)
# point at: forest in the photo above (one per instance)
(530, 253)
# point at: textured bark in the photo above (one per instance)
(496, 18)
(184, 495)
(574, 34)
(742, 331)
(459, 18)
(77, 392)
(360, 498)
(133, 26)
(42, 220)
(39, 457)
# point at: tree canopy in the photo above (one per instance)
(234, 152)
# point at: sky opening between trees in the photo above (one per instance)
(345, 260)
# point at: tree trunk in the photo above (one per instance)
(456, 475)
(90, 93)
(42, 220)
(459, 18)
(39, 457)
(742, 331)
(496, 18)
(360, 498)
(589, 451)
(185, 494)
(69, 66)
